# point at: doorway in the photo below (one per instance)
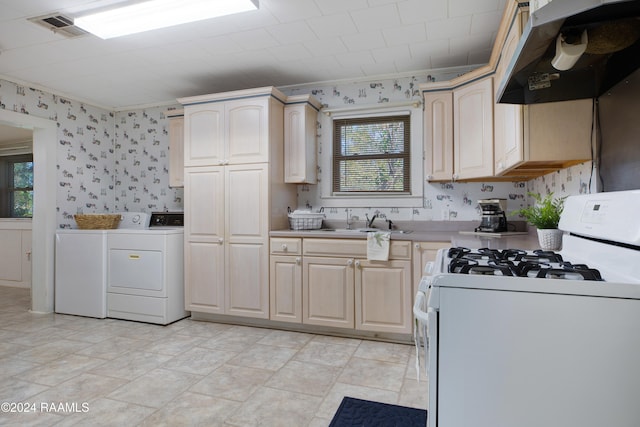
(44, 205)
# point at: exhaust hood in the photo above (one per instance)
(556, 34)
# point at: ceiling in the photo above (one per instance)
(285, 42)
(12, 136)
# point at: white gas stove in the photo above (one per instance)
(532, 338)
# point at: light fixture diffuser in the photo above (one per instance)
(154, 14)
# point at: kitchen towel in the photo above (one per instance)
(378, 245)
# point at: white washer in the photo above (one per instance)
(81, 272)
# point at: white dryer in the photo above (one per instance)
(146, 274)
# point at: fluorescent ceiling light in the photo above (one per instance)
(154, 14)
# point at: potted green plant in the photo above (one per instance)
(544, 214)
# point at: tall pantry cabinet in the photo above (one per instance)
(234, 194)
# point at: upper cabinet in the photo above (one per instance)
(438, 135)
(548, 137)
(227, 130)
(458, 131)
(473, 130)
(533, 140)
(483, 140)
(300, 134)
(176, 148)
(204, 135)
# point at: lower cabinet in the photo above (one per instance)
(423, 253)
(285, 280)
(286, 288)
(328, 292)
(330, 282)
(15, 257)
(383, 296)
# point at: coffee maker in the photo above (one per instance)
(494, 219)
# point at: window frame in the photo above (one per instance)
(337, 158)
(7, 193)
(323, 194)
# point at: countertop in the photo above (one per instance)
(432, 231)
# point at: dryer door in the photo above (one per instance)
(135, 272)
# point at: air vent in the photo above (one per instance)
(59, 24)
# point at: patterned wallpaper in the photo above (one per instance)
(442, 201)
(85, 150)
(106, 161)
(118, 161)
(142, 162)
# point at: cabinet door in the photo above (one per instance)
(204, 239)
(247, 280)
(473, 130)
(11, 255)
(438, 135)
(424, 252)
(285, 287)
(247, 240)
(509, 136)
(383, 296)
(328, 292)
(176, 152)
(204, 134)
(204, 204)
(247, 190)
(204, 277)
(247, 130)
(508, 118)
(300, 144)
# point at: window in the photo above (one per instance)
(16, 184)
(372, 155)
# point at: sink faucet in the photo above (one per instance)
(349, 218)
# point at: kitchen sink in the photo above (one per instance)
(362, 230)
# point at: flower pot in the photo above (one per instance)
(550, 239)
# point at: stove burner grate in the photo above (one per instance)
(517, 262)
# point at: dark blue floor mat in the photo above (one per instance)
(365, 413)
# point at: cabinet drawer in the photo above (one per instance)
(348, 248)
(400, 250)
(352, 248)
(286, 246)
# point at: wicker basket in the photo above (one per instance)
(97, 221)
(305, 220)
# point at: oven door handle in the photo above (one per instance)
(418, 307)
(420, 330)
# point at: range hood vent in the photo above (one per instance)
(59, 24)
(612, 53)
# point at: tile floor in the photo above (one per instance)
(117, 373)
